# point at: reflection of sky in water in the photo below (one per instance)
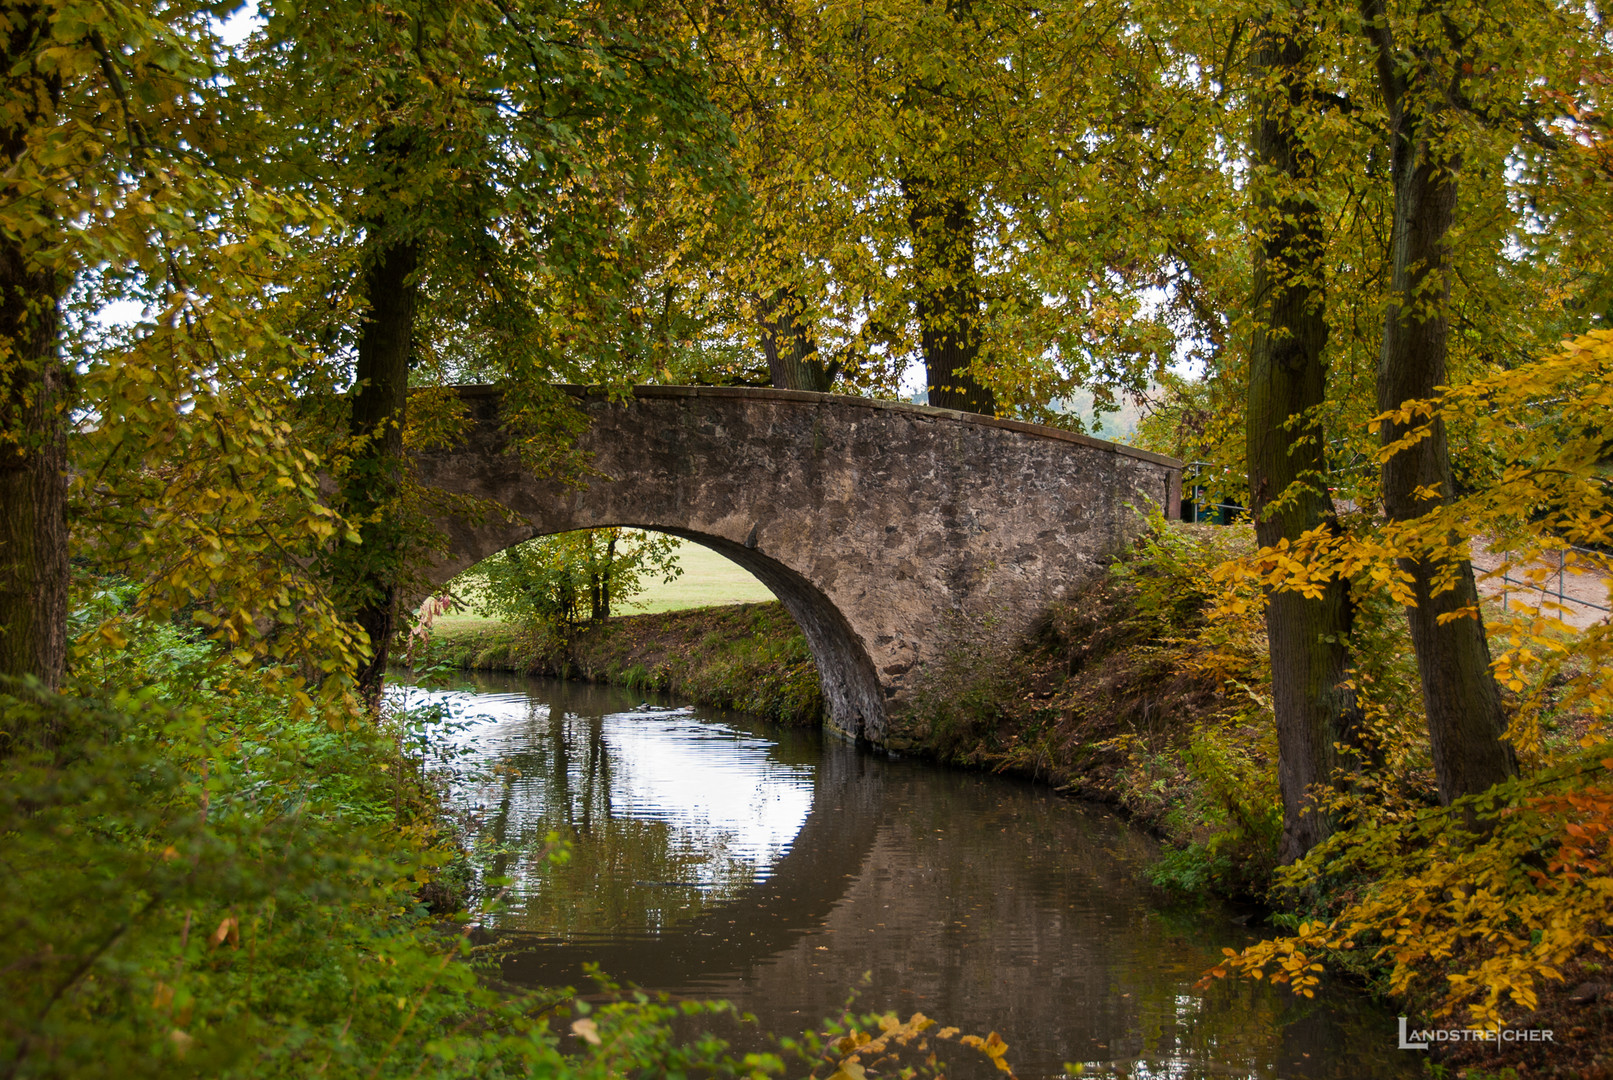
(710, 780)
(716, 789)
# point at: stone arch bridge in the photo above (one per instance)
(893, 533)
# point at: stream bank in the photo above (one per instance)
(749, 657)
(1149, 691)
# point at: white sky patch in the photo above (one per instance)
(913, 380)
(119, 314)
(240, 24)
(707, 781)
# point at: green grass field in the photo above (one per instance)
(708, 580)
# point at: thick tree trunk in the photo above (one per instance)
(1466, 720)
(1310, 655)
(374, 486)
(33, 474)
(33, 407)
(948, 296)
(792, 353)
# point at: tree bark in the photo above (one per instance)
(33, 388)
(1466, 720)
(948, 296)
(602, 581)
(374, 486)
(792, 353)
(1308, 639)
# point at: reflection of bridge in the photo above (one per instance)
(763, 920)
(891, 532)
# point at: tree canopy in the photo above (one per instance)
(1351, 256)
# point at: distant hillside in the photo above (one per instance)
(1118, 426)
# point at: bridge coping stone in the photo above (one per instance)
(769, 393)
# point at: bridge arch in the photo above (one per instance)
(887, 530)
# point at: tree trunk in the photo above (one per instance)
(792, 354)
(33, 387)
(605, 579)
(374, 487)
(1466, 720)
(948, 296)
(1310, 655)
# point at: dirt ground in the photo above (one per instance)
(1575, 593)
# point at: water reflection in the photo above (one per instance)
(666, 815)
(718, 859)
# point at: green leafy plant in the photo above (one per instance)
(554, 582)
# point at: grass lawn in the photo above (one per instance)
(708, 580)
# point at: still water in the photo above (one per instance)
(717, 857)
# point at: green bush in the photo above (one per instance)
(201, 885)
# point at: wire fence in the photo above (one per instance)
(1564, 593)
(1562, 584)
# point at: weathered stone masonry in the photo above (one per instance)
(886, 529)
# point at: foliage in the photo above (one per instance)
(1180, 601)
(870, 1045)
(964, 690)
(570, 179)
(188, 474)
(1202, 616)
(201, 887)
(558, 581)
(1045, 133)
(1549, 503)
(1478, 918)
(1229, 819)
(512, 144)
(1196, 420)
(1478, 905)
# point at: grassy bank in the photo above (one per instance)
(1101, 702)
(737, 656)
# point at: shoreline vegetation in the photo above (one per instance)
(749, 657)
(1088, 705)
(209, 879)
(1148, 691)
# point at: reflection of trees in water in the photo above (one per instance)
(626, 873)
(996, 906)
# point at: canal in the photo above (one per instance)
(716, 857)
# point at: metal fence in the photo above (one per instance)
(1544, 590)
(1227, 513)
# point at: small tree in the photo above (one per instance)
(554, 580)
